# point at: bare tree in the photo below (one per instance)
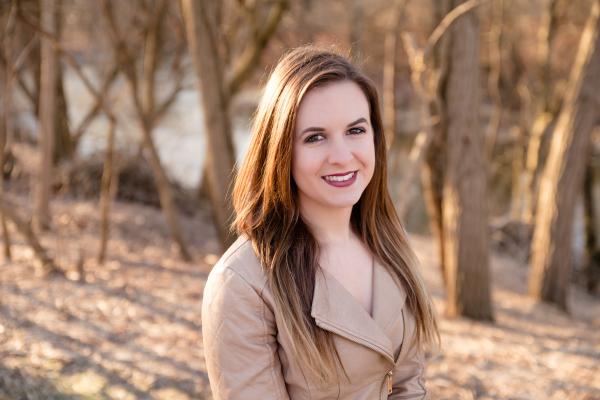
(464, 199)
(49, 65)
(495, 54)
(143, 87)
(428, 70)
(110, 182)
(538, 115)
(592, 246)
(220, 74)
(12, 62)
(6, 38)
(357, 16)
(425, 79)
(64, 145)
(391, 44)
(10, 210)
(562, 178)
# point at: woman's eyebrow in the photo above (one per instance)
(312, 129)
(317, 129)
(358, 121)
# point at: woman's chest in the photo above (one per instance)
(354, 272)
(368, 346)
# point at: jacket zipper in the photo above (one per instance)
(388, 375)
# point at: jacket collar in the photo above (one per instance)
(336, 310)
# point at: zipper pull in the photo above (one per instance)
(389, 381)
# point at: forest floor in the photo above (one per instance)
(131, 328)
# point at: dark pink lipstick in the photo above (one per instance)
(342, 179)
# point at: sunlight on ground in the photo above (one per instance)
(84, 383)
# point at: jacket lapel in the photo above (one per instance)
(388, 299)
(336, 310)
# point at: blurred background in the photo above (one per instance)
(121, 123)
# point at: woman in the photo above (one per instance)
(320, 297)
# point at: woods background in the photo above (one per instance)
(121, 123)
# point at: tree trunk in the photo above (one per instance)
(64, 145)
(493, 81)
(219, 155)
(592, 267)
(6, 77)
(563, 174)
(165, 194)
(432, 181)
(432, 174)
(147, 115)
(9, 208)
(464, 200)
(63, 142)
(357, 17)
(541, 108)
(47, 115)
(110, 181)
(389, 72)
(4, 107)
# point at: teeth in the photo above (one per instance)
(339, 178)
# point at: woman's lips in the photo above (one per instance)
(341, 180)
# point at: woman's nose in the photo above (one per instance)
(340, 152)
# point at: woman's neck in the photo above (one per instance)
(329, 226)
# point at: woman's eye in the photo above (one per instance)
(357, 131)
(313, 138)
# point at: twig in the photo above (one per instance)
(69, 58)
(250, 56)
(93, 111)
(447, 21)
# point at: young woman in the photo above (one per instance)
(320, 297)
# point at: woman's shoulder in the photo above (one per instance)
(241, 261)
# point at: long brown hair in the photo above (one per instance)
(267, 209)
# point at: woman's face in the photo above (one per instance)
(334, 151)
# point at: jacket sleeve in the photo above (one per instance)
(408, 373)
(239, 337)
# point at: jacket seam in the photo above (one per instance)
(403, 337)
(272, 358)
(350, 333)
(234, 251)
(410, 396)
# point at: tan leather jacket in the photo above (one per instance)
(248, 358)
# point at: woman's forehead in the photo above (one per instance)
(332, 105)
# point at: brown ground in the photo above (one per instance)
(130, 329)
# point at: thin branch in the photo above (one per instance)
(93, 112)
(170, 99)
(447, 21)
(177, 71)
(70, 60)
(124, 58)
(20, 80)
(251, 54)
(495, 47)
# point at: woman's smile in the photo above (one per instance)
(341, 180)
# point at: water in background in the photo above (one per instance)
(178, 136)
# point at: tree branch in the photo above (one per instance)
(70, 60)
(447, 21)
(93, 112)
(122, 54)
(251, 54)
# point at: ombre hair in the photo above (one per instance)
(267, 210)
